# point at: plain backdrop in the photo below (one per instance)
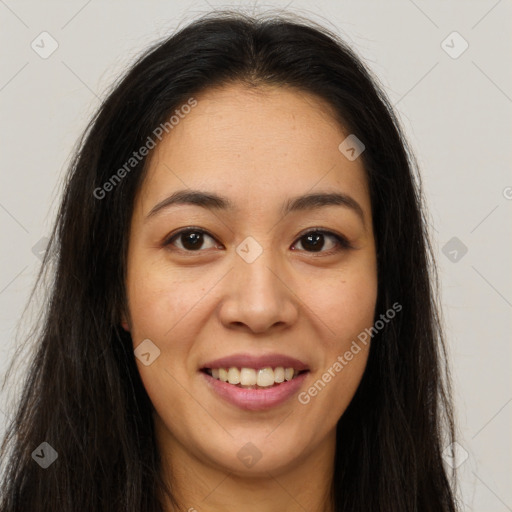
(452, 92)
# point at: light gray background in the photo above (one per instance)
(456, 113)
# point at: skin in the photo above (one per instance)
(259, 147)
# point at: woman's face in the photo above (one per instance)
(245, 290)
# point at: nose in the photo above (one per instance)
(259, 295)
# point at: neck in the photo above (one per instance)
(304, 484)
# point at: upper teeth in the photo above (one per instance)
(263, 377)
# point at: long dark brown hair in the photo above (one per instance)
(83, 394)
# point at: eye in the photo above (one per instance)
(194, 239)
(190, 239)
(315, 240)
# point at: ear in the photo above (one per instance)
(124, 323)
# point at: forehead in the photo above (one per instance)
(256, 145)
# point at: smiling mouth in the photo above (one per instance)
(252, 378)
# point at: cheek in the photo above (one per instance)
(346, 307)
(160, 300)
(345, 304)
(158, 314)
(162, 315)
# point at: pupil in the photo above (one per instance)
(315, 240)
(193, 239)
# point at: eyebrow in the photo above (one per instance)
(212, 201)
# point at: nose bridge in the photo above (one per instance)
(253, 265)
(257, 296)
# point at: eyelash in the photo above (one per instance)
(343, 243)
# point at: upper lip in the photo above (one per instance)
(256, 362)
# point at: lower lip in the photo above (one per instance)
(256, 399)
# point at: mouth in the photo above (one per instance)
(255, 382)
(254, 378)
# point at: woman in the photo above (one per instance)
(243, 312)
